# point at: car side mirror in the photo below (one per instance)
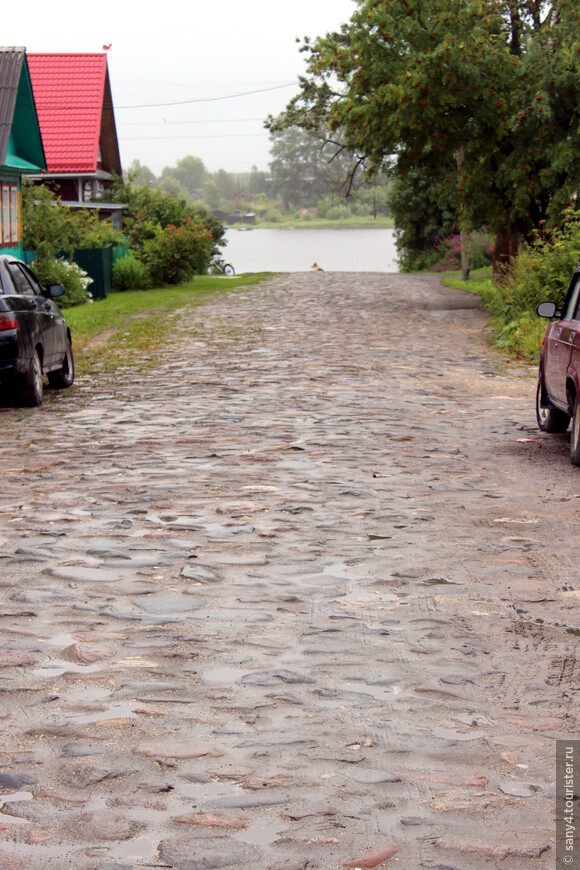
(547, 309)
(54, 290)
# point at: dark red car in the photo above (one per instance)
(558, 394)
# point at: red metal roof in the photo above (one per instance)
(69, 91)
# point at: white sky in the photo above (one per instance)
(194, 53)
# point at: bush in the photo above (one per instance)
(75, 281)
(337, 212)
(273, 215)
(150, 210)
(176, 254)
(50, 227)
(130, 273)
(543, 269)
(480, 249)
(415, 260)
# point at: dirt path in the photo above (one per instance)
(302, 598)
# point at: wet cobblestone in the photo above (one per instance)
(298, 596)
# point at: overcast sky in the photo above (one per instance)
(187, 77)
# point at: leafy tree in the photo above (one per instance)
(304, 167)
(189, 172)
(173, 239)
(170, 185)
(54, 232)
(257, 182)
(484, 90)
(424, 207)
(141, 175)
(226, 184)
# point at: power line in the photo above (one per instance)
(183, 123)
(175, 138)
(208, 99)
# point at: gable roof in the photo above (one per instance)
(75, 112)
(20, 140)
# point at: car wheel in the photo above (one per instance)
(575, 435)
(549, 419)
(33, 391)
(63, 378)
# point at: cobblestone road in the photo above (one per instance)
(301, 597)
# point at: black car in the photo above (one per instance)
(34, 336)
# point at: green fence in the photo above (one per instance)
(98, 264)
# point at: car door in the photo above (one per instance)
(560, 343)
(58, 325)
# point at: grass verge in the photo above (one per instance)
(521, 337)
(127, 328)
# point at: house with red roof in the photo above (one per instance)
(77, 122)
(21, 149)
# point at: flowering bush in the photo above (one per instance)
(177, 253)
(75, 280)
(480, 249)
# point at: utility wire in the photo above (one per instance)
(208, 99)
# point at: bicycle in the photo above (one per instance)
(219, 267)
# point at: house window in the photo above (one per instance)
(14, 214)
(10, 214)
(5, 214)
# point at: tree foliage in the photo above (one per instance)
(172, 239)
(307, 170)
(481, 95)
(53, 232)
(189, 172)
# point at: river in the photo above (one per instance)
(289, 250)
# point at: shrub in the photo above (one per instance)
(176, 254)
(50, 227)
(337, 212)
(480, 249)
(543, 268)
(541, 271)
(130, 273)
(75, 281)
(273, 215)
(149, 209)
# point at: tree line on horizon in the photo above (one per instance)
(305, 176)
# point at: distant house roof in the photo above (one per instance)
(75, 112)
(20, 140)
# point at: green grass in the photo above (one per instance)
(521, 337)
(127, 328)
(480, 283)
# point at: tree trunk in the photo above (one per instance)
(505, 249)
(465, 262)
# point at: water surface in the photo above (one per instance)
(288, 250)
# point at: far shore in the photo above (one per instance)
(318, 224)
